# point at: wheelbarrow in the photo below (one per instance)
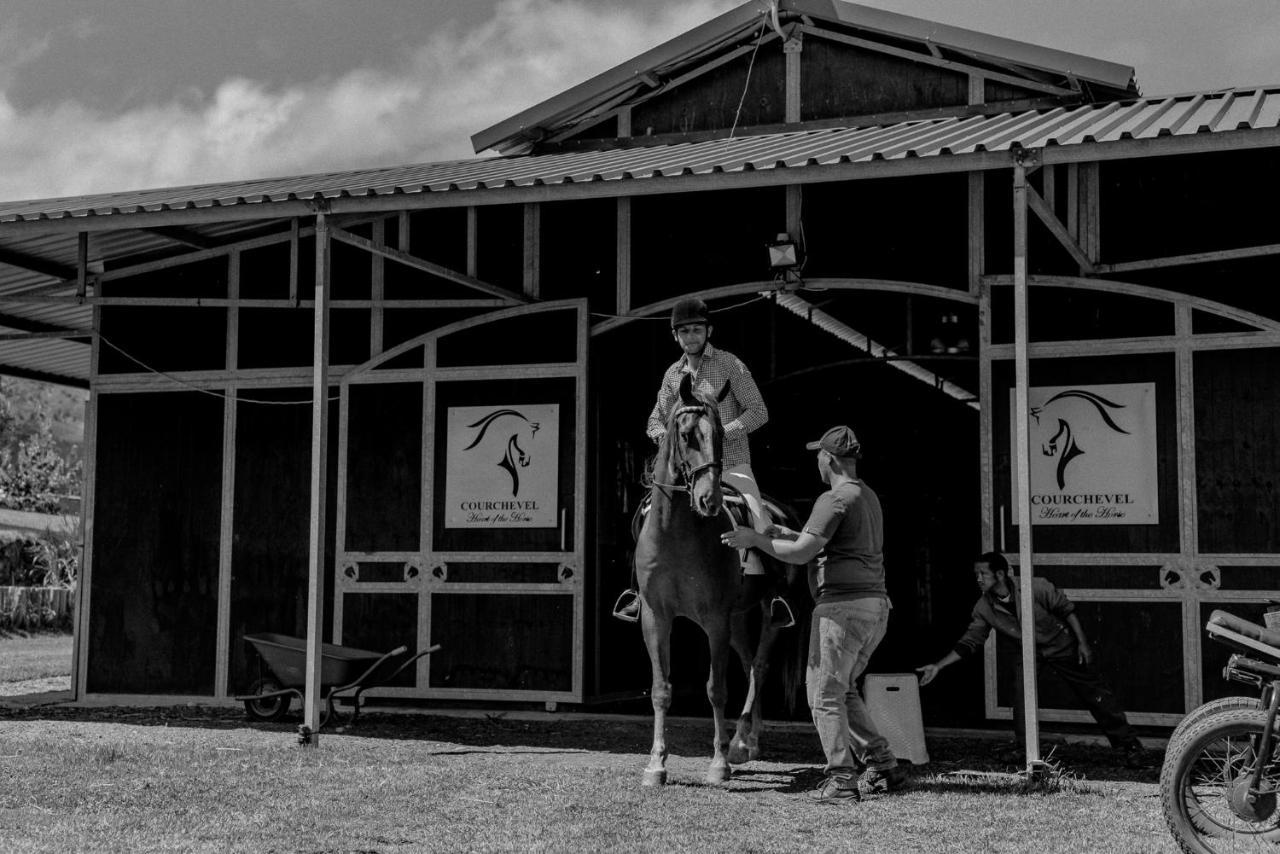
(345, 673)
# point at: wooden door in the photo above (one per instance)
(461, 501)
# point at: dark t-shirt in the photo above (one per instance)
(851, 564)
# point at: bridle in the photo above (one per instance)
(688, 475)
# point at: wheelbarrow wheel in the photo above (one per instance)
(266, 708)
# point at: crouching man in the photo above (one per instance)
(1061, 649)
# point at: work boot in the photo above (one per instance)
(780, 615)
(627, 608)
(884, 779)
(835, 790)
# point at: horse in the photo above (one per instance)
(683, 570)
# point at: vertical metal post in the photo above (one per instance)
(1023, 446)
(310, 735)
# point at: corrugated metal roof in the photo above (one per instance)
(688, 49)
(907, 143)
(1141, 119)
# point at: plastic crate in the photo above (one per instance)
(893, 700)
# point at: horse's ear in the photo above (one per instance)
(686, 391)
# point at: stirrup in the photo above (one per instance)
(627, 606)
(780, 615)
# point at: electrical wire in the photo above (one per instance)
(192, 387)
(764, 24)
(607, 316)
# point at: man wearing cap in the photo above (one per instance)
(722, 376)
(845, 532)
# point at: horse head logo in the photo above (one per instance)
(1062, 443)
(514, 456)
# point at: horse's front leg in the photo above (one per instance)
(657, 639)
(718, 693)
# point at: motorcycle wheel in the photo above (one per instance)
(1205, 787)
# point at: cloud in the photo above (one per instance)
(423, 109)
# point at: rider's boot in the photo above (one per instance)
(780, 614)
(627, 608)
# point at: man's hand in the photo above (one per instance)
(927, 673)
(741, 538)
(780, 532)
(1085, 653)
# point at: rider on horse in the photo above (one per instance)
(725, 378)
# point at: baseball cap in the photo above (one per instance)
(838, 441)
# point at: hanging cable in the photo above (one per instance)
(208, 391)
(764, 24)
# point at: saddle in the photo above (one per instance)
(734, 504)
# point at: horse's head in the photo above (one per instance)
(515, 456)
(694, 448)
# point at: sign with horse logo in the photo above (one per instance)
(1093, 454)
(502, 466)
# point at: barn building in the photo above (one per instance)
(928, 176)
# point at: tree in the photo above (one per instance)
(40, 431)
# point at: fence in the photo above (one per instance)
(35, 607)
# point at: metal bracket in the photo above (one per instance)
(412, 570)
(351, 570)
(567, 574)
(1028, 158)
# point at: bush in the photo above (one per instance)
(49, 560)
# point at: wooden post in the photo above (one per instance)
(623, 244)
(532, 249)
(792, 49)
(309, 735)
(82, 264)
(1023, 446)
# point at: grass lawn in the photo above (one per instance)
(195, 779)
(34, 656)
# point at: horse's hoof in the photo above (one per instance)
(718, 774)
(654, 778)
(739, 753)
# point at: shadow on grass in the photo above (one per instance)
(499, 734)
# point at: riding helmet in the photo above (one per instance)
(690, 310)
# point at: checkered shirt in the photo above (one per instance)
(741, 411)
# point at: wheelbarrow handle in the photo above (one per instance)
(400, 650)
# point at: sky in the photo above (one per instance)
(100, 96)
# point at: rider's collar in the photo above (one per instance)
(708, 352)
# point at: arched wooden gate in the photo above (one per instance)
(461, 485)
